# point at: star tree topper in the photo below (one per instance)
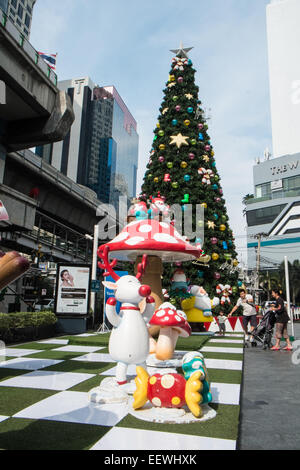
(181, 52)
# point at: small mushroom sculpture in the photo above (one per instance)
(172, 323)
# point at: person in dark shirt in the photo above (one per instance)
(282, 319)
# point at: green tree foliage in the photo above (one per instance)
(182, 168)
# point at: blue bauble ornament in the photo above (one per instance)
(201, 136)
(225, 246)
(213, 164)
(216, 216)
(190, 62)
(174, 122)
(200, 274)
(187, 178)
(190, 110)
(215, 187)
(240, 283)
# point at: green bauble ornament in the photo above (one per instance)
(170, 165)
(175, 185)
(161, 133)
(175, 98)
(194, 142)
(150, 176)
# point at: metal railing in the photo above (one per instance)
(274, 195)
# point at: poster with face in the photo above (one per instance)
(72, 289)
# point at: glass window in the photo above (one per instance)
(29, 9)
(20, 11)
(264, 216)
(14, 3)
(291, 184)
(12, 13)
(27, 20)
(4, 5)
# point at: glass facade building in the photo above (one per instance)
(101, 150)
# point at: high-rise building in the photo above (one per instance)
(101, 150)
(273, 214)
(284, 73)
(20, 13)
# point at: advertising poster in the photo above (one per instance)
(72, 289)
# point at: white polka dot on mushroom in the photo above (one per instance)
(164, 238)
(164, 225)
(122, 236)
(166, 319)
(178, 318)
(145, 228)
(134, 241)
(160, 313)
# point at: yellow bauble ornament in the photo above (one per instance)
(204, 205)
(158, 125)
(162, 147)
(215, 256)
(155, 180)
(235, 262)
(222, 228)
(212, 153)
(171, 78)
(184, 164)
(187, 122)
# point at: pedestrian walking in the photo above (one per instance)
(249, 313)
(282, 320)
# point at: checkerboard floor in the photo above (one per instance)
(44, 400)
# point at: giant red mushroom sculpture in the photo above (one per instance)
(161, 242)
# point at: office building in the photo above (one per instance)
(283, 34)
(275, 211)
(101, 150)
(273, 215)
(20, 13)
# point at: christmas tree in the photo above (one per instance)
(182, 167)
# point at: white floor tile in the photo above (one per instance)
(54, 341)
(74, 407)
(83, 335)
(83, 349)
(223, 364)
(15, 352)
(3, 418)
(28, 363)
(225, 394)
(48, 380)
(131, 371)
(229, 341)
(222, 350)
(94, 357)
(140, 439)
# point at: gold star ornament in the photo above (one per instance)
(211, 225)
(179, 140)
(165, 110)
(188, 96)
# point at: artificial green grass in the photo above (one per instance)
(225, 345)
(224, 356)
(223, 426)
(81, 367)
(14, 399)
(28, 434)
(35, 345)
(58, 355)
(193, 343)
(225, 376)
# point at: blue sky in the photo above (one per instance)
(126, 44)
